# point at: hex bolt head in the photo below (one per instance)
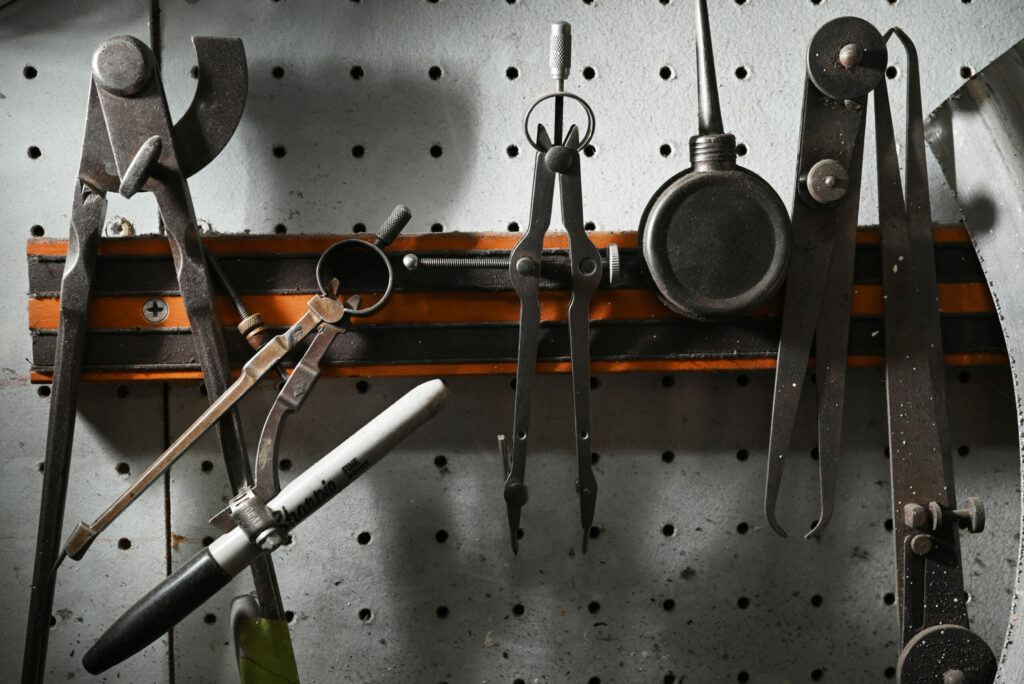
(921, 544)
(122, 65)
(851, 55)
(526, 266)
(559, 159)
(915, 516)
(827, 181)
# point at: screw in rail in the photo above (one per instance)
(414, 261)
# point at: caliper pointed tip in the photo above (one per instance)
(60, 559)
(774, 524)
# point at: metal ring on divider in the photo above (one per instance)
(362, 244)
(584, 141)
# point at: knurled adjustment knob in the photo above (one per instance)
(251, 325)
(614, 265)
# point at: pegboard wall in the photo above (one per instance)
(357, 105)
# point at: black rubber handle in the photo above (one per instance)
(157, 612)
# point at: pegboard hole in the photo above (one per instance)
(441, 536)
(358, 151)
(885, 452)
(121, 391)
(280, 229)
(669, 678)
(440, 461)
(589, 151)
(817, 675)
(593, 680)
(513, 227)
(594, 607)
(53, 620)
(589, 73)
(41, 467)
(36, 231)
(887, 524)
(741, 150)
(889, 598)
(743, 603)
(965, 72)
(512, 151)
(668, 529)
(124, 543)
(890, 672)
(210, 618)
(123, 468)
(512, 73)
(365, 615)
(594, 532)
(442, 612)
(518, 680)
(742, 676)
(665, 150)
(435, 73)
(29, 72)
(359, 228)
(277, 72)
(362, 386)
(742, 455)
(665, 72)
(817, 600)
(356, 72)
(34, 152)
(667, 456)
(667, 381)
(436, 151)
(436, 227)
(285, 465)
(595, 383)
(289, 616)
(520, 533)
(206, 466)
(206, 541)
(742, 73)
(194, 72)
(742, 380)
(964, 376)
(814, 454)
(743, 528)
(363, 538)
(589, 226)
(668, 605)
(963, 450)
(43, 391)
(279, 151)
(815, 2)
(891, 72)
(518, 609)
(893, 2)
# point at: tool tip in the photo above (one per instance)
(60, 559)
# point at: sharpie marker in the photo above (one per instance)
(211, 569)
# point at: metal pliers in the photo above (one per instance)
(130, 146)
(562, 160)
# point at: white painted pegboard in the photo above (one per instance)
(715, 596)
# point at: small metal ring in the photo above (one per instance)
(376, 306)
(590, 119)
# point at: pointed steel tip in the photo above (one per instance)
(515, 546)
(60, 559)
(584, 541)
(774, 524)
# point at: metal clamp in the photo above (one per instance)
(254, 517)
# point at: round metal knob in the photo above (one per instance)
(122, 65)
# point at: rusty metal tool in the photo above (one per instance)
(845, 61)
(130, 145)
(938, 644)
(559, 159)
(326, 311)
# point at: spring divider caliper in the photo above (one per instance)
(325, 315)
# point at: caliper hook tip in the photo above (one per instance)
(60, 559)
(769, 514)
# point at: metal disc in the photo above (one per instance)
(946, 653)
(715, 244)
(826, 70)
